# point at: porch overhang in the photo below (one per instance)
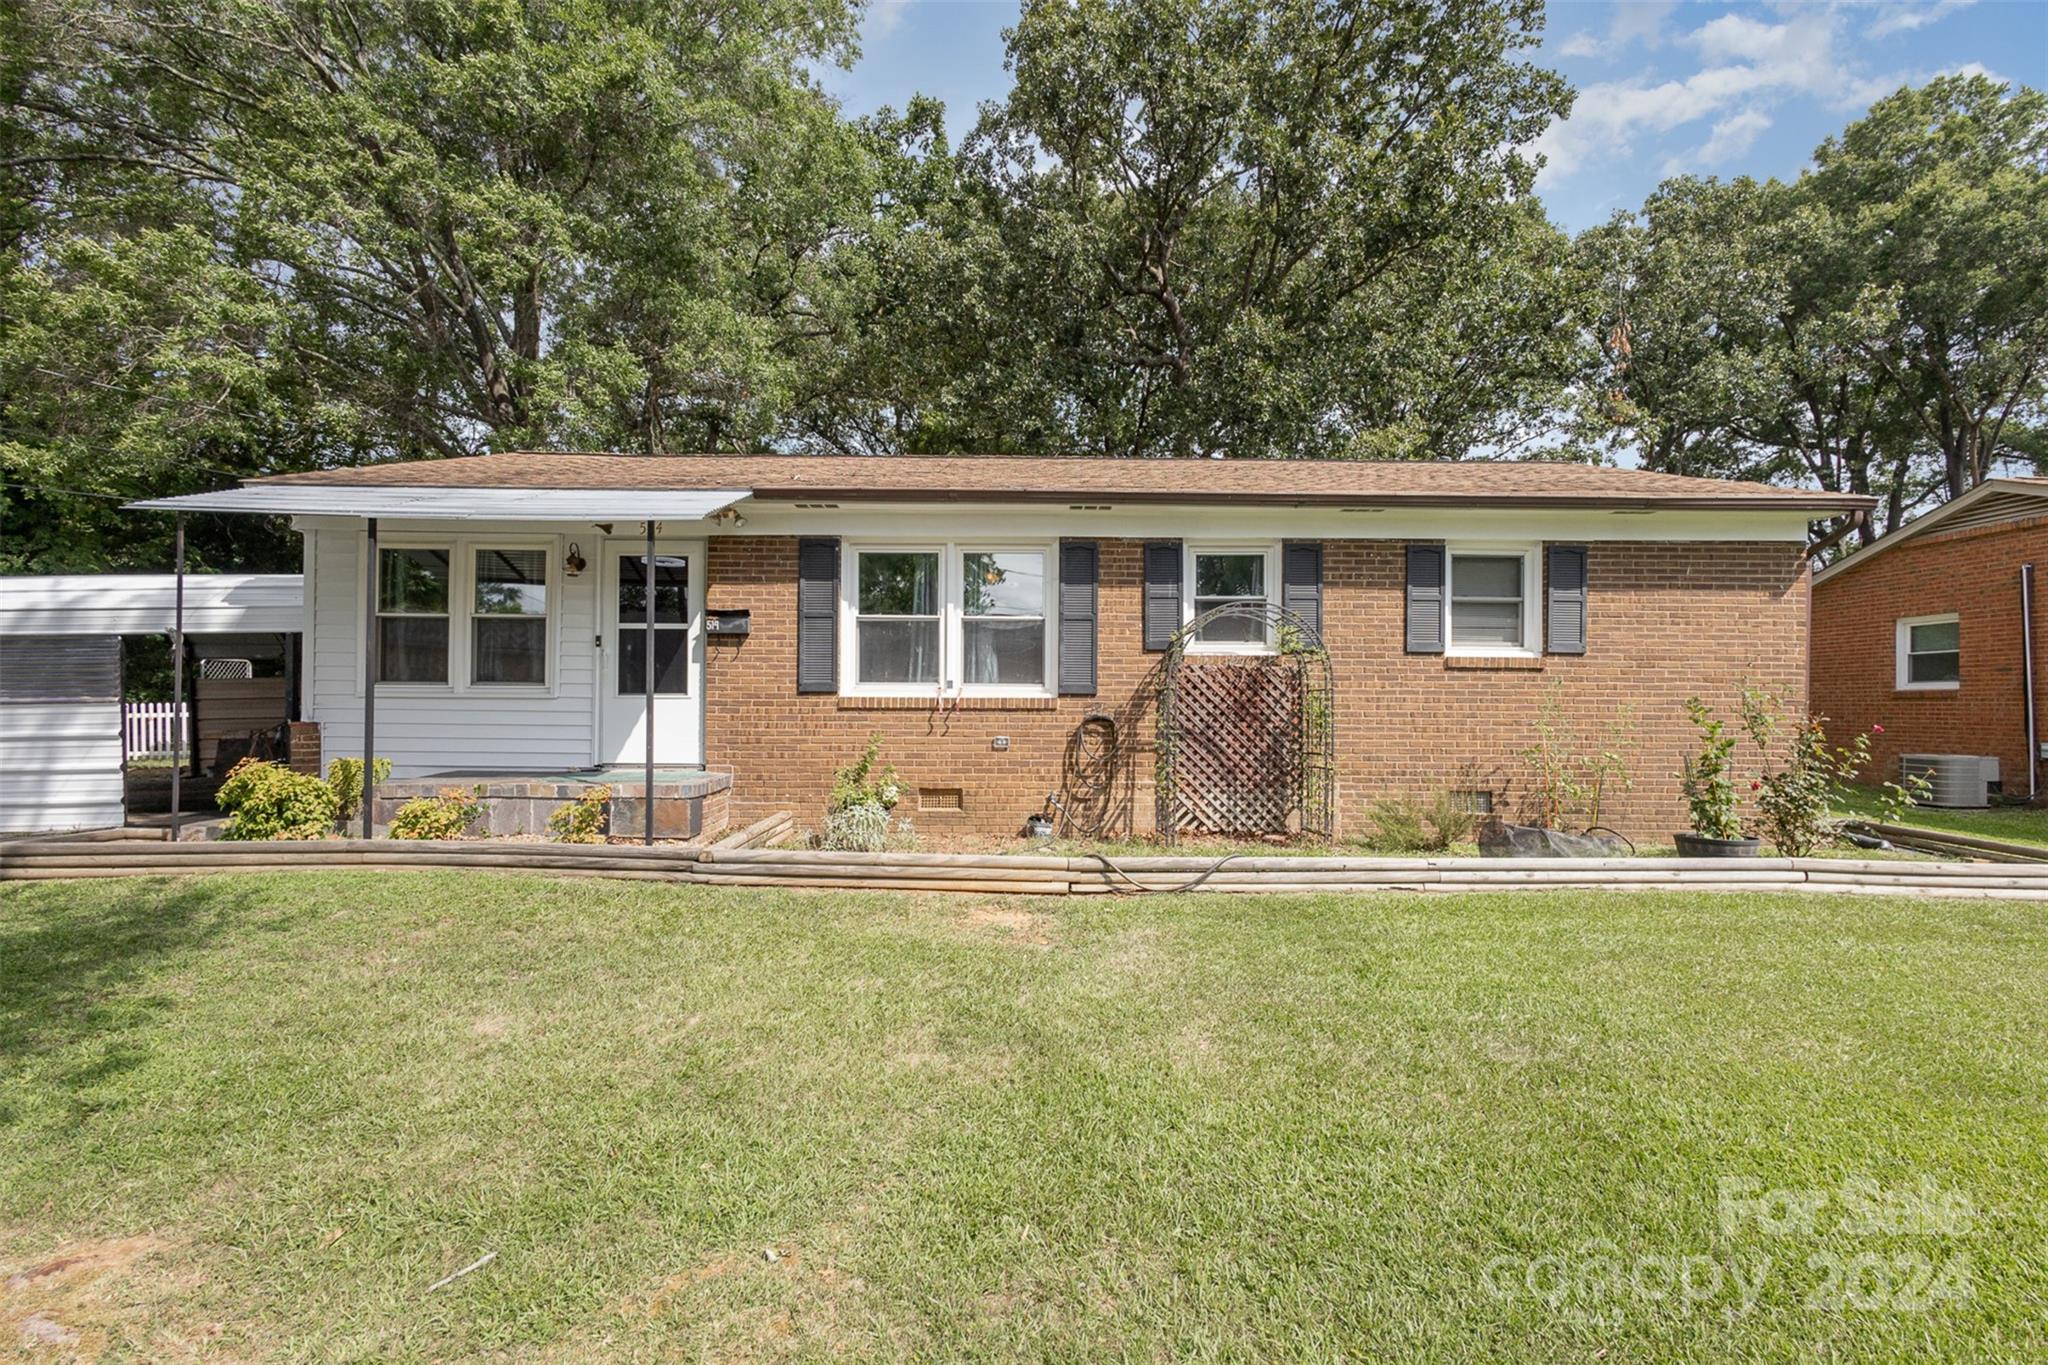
(670, 505)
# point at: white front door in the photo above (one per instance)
(678, 653)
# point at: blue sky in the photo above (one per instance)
(1664, 87)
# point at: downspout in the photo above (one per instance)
(178, 712)
(370, 679)
(647, 605)
(2027, 642)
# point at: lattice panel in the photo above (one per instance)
(1238, 747)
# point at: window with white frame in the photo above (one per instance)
(964, 616)
(1930, 653)
(509, 616)
(1002, 618)
(1493, 600)
(412, 615)
(1226, 575)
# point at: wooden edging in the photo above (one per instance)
(1923, 840)
(726, 864)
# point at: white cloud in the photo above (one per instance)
(884, 18)
(1630, 23)
(1973, 69)
(1731, 138)
(1745, 65)
(1900, 16)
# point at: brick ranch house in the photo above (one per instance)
(994, 617)
(1935, 633)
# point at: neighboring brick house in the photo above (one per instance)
(1000, 621)
(1926, 633)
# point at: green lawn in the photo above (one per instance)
(259, 1116)
(2013, 824)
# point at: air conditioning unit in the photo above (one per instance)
(1952, 779)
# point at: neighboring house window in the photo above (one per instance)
(898, 615)
(1492, 601)
(971, 618)
(1930, 653)
(1002, 618)
(509, 622)
(412, 616)
(1221, 576)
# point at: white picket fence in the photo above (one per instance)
(150, 725)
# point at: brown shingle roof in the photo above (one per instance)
(1005, 478)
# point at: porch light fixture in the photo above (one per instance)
(573, 563)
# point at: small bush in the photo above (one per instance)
(269, 801)
(866, 829)
(858, 784)
(446, 815)
(584, 820)
(345, 776)
(1407, 826)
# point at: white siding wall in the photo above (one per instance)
(425, 730)
(60, 765)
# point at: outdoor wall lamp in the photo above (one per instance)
(573, 563)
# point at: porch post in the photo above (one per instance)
(370, 680)
(647, 603)
(178, 712)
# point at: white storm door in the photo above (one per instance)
(678, 651)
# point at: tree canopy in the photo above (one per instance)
(1879, 325)
(246, 236)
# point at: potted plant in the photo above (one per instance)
(1708, 781)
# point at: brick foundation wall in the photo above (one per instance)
(1666, 621)
(1975, 574)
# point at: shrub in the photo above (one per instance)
(1407, 826)
(866, 829)
(1566, 780)
(446, 815)
(1708, 777)
(269, 801)
(1795, 805)
(858, 784)
(856, 829)
(584, 820)
(345, 776)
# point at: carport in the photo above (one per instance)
(63, 756)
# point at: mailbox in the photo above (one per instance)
(726, 625)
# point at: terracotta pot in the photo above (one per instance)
(1707, 846)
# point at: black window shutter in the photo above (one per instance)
(1567, 591)
(1425, 599)
(1162, 592)
(1301, 582)
(817, 615)
(1080, 566)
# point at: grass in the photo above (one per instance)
(259, 1116)
(2013, 824)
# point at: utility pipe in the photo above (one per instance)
(2027, 642)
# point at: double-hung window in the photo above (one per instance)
(509, 621)
(1002, 618)
(1930, 653)
(412, 615)
(954, 618)
(501, 592)
(1225, 576)
(1493, 601)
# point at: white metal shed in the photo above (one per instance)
(61, 759)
